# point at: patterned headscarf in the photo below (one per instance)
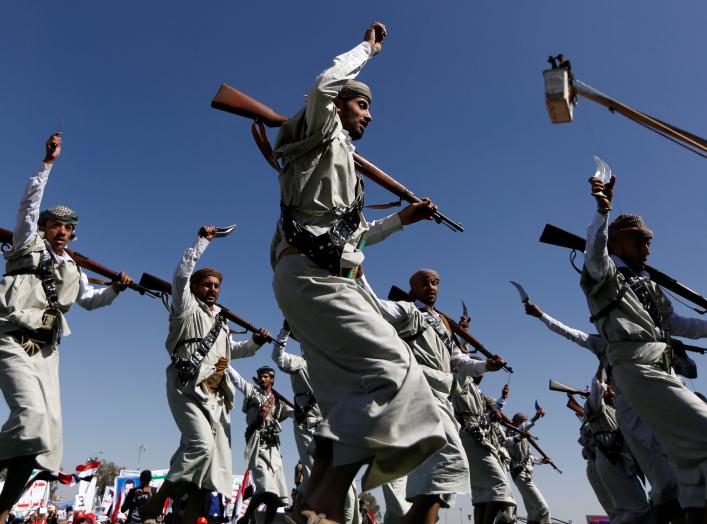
(60, 214)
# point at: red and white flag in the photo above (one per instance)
(68, 479)
(88, 470)
(244, 493)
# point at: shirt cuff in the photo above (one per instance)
(371, 49)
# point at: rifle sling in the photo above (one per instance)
(261, 140)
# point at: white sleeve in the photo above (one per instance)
(575, 335)
(528, 424)
(465, 365)
(243, 348)
(596, 255)
(595, 397)
(382, 228)
(28, 213)
(285, 361)
(181, 294)
(392, 311)
(91, 297)
(241, 384)
(687, 327)
(320, 99)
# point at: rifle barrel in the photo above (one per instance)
(231, 100)
(156, 283)
(383, 179)
(84, 262)
(559, 237)
(397, 293)
(531, 441)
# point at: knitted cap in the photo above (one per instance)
(629, 223)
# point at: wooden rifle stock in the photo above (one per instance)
(559, 237)
(279, 397)
(398, 294)
(233, 101)
(562, 388)
(162, 286)
(84, 262)
(575, 406)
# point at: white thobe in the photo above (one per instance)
(677, 417)
(371, 391)
(618, 474)
(645, 447)
(203, 418)
(522, 473)
(30, 384)
(262, 453)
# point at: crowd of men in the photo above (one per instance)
(382, 385)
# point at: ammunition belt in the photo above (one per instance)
(324, 250)
(188, 367)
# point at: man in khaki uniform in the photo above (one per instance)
(40, 285)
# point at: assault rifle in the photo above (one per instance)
(559, 237)
(398, 294)
(84, 262)
(232, 100)
(506, 422)
(164, 288)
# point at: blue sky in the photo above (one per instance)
(458, 115)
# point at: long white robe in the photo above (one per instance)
(30, 384)
(203, 418)
(618, 474)
(262, 452)
(675, 415)
(645, 447)
(377, 407)
(488, 476)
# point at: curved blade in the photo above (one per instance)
(224, 231)
(603, 171)
(523, 295)
(537, 405)
(465, 310)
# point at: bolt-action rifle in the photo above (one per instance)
(164, 288)
(398, 294)
(84, 262)
(575, 406)
(559, 237)
(571, 402)
(232, 100)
